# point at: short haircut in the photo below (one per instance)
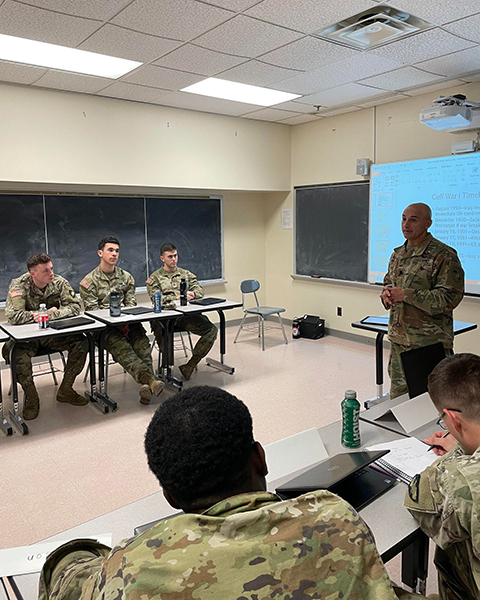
(199, 445)
(38, 259)
(107, 240)
(455, 383)
(424, 207)
(167, 247)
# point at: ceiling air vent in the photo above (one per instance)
(374, 27)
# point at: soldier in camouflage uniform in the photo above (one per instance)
(445, 498)
(128, 344)
(235, 541)
(167, 281)
(24, 296)
(424, 283)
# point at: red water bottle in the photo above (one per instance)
(43, 317)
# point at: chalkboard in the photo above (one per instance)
(70, 227)
(194, 227)
(331, 231)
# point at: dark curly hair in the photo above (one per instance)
(199, 446)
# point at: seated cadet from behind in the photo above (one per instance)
(445, 498)
(24, 296)
(167, 281)
(235, 540)
(128, 344)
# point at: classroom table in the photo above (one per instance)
(4, 423)
(31, 332)
(394, 535)
(167, 319)
(219, 307)
(379, 325)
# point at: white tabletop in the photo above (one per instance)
(103, 315)
(31, 331)
(197, 308)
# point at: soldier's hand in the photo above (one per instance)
(385, 296)
(190, 296)
(441, 444)
(52, 310)
(396, 295)
(36, 316)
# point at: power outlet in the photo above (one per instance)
(339, 311)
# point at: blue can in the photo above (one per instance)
(157, 302)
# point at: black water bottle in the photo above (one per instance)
(183, 292)
(115, 304)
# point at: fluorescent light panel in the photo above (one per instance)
(41, 54)
(239, 92)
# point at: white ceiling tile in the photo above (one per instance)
(90, 9)
(299, 119)
(467, 28)
(17, 73)
(124, 43)
(33, 23)
(340, 111)
(159, 77)
(454, 64)
(471, 77)
(308, 53)
(198, 60)
(72, 82)
(236, 5)
(344, 71)
(295, 106)
(255, 72)
(206, 104)
(269, 114)
(307, 15)
(247, 37)
(425, 89)
(129, 91)
(399, 79)
(383, 99)
(422, 46)
(176, 19)
(439, 12)
(340, 95)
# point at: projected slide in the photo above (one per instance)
(450, 185)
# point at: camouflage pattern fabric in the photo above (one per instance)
(23, 299)
(248, 547)
(445, 499)
(433, 280)
(169, 286)
(128, 345)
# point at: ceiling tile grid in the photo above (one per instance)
(454, 64)
(400, 79)
(17, 73)
(159, 77)
(195, 59)
(130, 91)
(255, 72)
(439, 12)
(72, 82)
(90, 9)
(269, 114)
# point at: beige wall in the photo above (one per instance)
(325, 151)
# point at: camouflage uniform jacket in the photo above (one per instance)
(445, 499)
(247, 547)
(24, 298)
(433, 280)
(95, 288)
(169, 285)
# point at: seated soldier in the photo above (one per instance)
(167, 281)
(445, 497)
(24, 296)
(234, 540)
(128, 344)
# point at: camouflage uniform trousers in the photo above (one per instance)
(134, 353)
(75, 345)
(455, 578)
(197, 324)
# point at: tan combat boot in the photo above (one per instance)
(66, 393)
(188, 368)
(31, 406)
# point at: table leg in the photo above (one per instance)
(220, 365)
(15, 418)
(415, 563)
(98, 398)
(168, 327)
(380, 397)
(4, 424)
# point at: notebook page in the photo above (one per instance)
(408, 455)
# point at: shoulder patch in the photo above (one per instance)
(413, 488)
(149, 280)
(16, 293)
(84, 283)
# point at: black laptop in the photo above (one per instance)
(60, 324)
(136, 310)
(349, 475)
(207, 301)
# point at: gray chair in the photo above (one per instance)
(251, 286)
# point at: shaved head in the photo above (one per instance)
(424, 209)
(416, 220)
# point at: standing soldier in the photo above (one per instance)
(128, 344)
(167, 280)
(24, 297)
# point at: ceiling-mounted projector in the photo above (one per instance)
(451, 112)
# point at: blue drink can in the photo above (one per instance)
(157, 302)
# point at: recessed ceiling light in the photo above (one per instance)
(239, 92)
(41, 54)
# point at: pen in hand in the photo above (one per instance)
(435, 445)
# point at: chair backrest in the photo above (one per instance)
(418, 364)
(249, 286)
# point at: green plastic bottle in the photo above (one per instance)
(350, 420)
